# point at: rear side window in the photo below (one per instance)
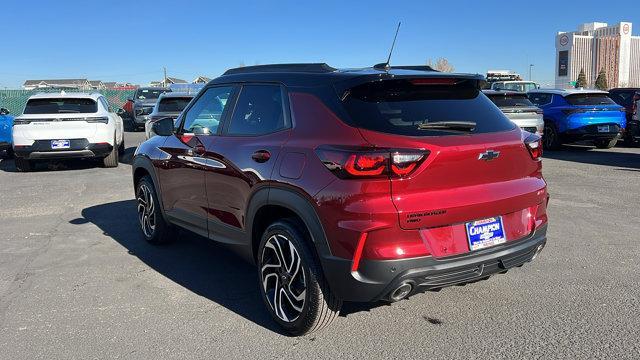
(60, 106)
(589, 99)
(173, 104)
(402, 106)
(511, 100)
(259, 111)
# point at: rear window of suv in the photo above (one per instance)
(173, 104)
(401, 106)
(589, 99)
(510, 100)
(61, 106)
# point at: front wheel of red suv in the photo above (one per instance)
(291, 280)
(154, 228)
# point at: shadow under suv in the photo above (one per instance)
(346, 185)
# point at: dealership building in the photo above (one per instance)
(596, 46)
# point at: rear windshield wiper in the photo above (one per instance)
(448, 125)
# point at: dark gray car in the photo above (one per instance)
(144, 100)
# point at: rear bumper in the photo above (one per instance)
(590, 132)
(375, 280)
(79, 148)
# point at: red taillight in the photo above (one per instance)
(370, 163)
(534, 144)
(365, 164)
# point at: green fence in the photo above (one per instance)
(14, 100)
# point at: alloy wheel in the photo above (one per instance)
(283, 278)
(146, 210)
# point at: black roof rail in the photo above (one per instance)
(302, 67)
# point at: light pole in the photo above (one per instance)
(530, 66)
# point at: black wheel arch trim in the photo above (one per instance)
(141, 161)
(298, 203)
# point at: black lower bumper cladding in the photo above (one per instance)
(375, 280)
(78, 148)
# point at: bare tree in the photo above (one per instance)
(442, 64)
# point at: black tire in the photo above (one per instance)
(23, 165)
(315, 306)
(551, 138)
(630, 137)
(112, 159)
(154, 228)
(605, 143)
(121, 148)
(8, 154)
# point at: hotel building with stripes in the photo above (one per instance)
(597, 46)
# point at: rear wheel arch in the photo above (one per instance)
(272, 204)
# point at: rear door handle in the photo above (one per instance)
(261, 156)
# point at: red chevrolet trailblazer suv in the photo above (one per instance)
(346, 185)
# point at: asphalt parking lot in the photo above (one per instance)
(77, 280)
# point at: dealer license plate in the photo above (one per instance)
(60, 144)
(485, 233)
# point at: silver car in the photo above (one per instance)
(519, 109)
(169, 104)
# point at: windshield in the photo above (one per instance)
(173, 104)
(142, 94)
(403, 107)
(508, 100)
(60, 106)
(589, 99)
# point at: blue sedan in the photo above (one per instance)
(579, 115)
(6, 127)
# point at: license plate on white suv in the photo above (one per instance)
(603, 128)
(60, 144)
(485, 233)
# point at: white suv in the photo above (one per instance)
(67, 125)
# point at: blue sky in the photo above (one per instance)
(126, 40)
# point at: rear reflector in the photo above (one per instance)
(358, 253)
(346, 162)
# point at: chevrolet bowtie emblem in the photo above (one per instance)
(488, 155)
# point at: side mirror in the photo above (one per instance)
(163, 127)
(4, 111)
